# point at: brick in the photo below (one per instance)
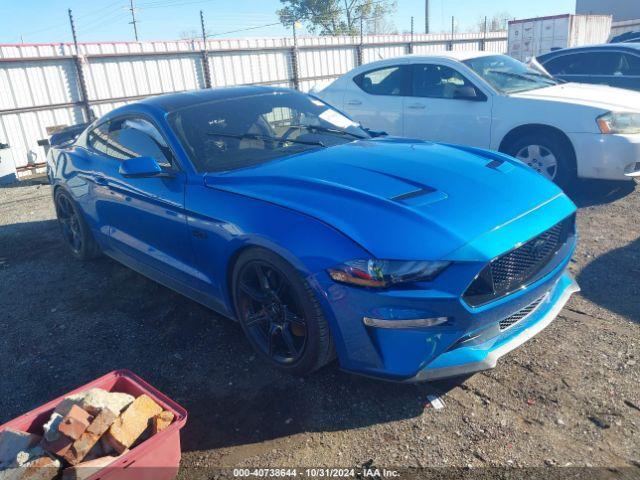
(75, 422)
(13, 442)
(90, 437)
(132, 423)
(161, 421)
(84, 470)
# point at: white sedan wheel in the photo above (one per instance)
(540, 158)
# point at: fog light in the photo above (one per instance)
(411, 323)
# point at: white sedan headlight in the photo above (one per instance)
(619, 122)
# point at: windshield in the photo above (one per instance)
(235, 133)
(508, 75)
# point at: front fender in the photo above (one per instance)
(222, 224)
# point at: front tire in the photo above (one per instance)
(75, 231)
(279, 313)
(546, 153)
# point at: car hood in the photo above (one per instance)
(598, 96)
(401, 199)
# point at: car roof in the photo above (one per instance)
(451, 55)
(176, 101)
(588, 48)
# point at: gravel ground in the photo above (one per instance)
(570, 396)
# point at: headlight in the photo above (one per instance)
(619, 122)
(384, 273)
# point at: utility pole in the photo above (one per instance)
(453, 31)
(205, 54)
(484, 36)
(133, 19)
(84, 99)
(360, 49)
(294, 58)
(426, 16)
(411, 41)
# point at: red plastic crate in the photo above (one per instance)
(157, 458)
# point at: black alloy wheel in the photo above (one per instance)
(270, 312)
(69, 223)
(75, 231)
(279, 313)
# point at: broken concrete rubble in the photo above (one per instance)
(31, 464)
(161, 421)
(94, 400)
(12, 442)
(50, 428)
(132, 423)
(81, 434)
(84, 470)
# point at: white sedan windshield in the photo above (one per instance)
(508, 75)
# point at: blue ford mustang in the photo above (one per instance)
(406, 259)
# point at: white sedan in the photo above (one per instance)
(479, 99)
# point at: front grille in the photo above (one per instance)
(514, 268)
(511, 320)
(521, 266)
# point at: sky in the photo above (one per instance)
(46, 21)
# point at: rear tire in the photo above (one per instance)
(548, 154)
(76, 233)
(279, 313)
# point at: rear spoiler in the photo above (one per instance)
(67, 135)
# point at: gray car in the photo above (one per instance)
(617, 65)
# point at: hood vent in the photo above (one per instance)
(494, 164)
(413, 194)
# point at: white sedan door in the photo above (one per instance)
(376, 98)
(446, 107)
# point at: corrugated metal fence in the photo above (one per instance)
(40, 86)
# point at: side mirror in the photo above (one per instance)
(468, 93)
(142, 167)
(374, 133)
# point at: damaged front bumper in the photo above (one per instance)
(465, 359)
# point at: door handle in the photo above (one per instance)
(354, 102)
(417, 106)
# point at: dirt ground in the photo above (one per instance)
(569, 397)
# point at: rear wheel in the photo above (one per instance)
(548, 154)
(75, 231)
(279, 313)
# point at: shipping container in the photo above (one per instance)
(531, 37)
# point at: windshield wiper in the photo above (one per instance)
(257, 136)
(320, 128)
(521, 76)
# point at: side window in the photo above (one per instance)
(98, 138)
(136, 137)
(437, 81)
(390, 81)
(587, 63)
(629, 65)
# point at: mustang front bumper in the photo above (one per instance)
(376, 333)
(469, 359)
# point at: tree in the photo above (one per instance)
(338, 17)
(497, 23)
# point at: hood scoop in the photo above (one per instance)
(420, 197)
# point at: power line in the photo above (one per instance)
(243, 29)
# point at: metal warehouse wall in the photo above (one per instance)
(40, 86)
